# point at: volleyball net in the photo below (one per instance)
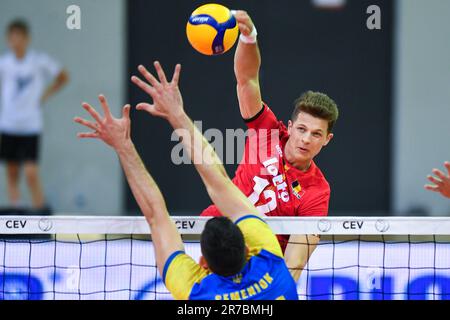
(67, 257)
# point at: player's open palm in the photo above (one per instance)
(114, 132)
(441, 183)
(167, 100)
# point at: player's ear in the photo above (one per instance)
(203, 263)
(247, 251)
(290, 124)
(329, 137)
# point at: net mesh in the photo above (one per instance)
(60, 266)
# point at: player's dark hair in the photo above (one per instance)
(223, 247)
(318, 105)
(19, 25)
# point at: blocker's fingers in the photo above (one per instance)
(126, 111)
(85, 123)
(91, 135)
(432, 188)
(144, 106)
(160, 71)
(149, 77)
(447, 165)
(92, 112)
(440, 174)
(434, 180)
(105, 106)
(176, 74)
(143, 85)
(150, 108)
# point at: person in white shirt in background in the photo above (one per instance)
(27, 79)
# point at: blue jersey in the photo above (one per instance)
(264, 277)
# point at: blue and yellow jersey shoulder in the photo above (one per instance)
(264, 277)
(258, 236)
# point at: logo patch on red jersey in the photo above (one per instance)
(297, 189)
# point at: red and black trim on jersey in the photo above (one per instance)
(256, 116)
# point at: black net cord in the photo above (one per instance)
(80, 265)
(333, 266)
(105, 261)
(54, 267)
(29, 271)
(434, 267)
(131, 268)
(4, 270)
(384, 269)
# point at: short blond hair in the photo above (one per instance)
(318, 105)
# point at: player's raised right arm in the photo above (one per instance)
(247, 62)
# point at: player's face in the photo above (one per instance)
(17, 41)
(307, 136)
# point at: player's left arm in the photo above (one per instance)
(116, 133)
(300, 247)
(298, 251)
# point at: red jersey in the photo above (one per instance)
(272, 185)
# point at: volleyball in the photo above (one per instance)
(212, 29)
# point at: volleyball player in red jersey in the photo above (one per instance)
(278, 173)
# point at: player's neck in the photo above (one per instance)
(20, 54)
(302, 165)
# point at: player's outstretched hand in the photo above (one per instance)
(114, 132)
(167, 100)
(441, 183)
(244, 21)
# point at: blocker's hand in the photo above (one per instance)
(244, 21)
(441, 183)
(167, 99)
(114, 132)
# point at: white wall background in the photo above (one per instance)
(79, 176)
(422, 103)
